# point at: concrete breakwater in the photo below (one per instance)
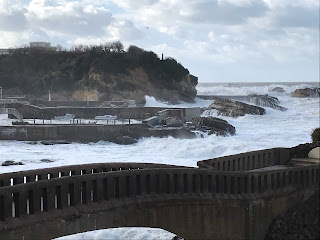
(31, 111)
(87, 133)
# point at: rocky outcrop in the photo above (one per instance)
(94, 75)
(10, 163)
(232, 108)
(277, 90)
(300, 222)
(214, 125)
(266, 101)
(306, 92)
(302, 150)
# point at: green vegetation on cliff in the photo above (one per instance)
(96, 73)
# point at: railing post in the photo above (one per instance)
(6, 205)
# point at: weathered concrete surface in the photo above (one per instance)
(87, 133)
(193, 217)
(31, 111)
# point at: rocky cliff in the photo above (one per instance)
(93, 75)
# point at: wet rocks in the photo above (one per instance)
(232, 108)
(11, 163)
(277, 90)
(266, 101)
(54, 142)
(46, 160)
(214, 125)
(119, 138)
(306, 92)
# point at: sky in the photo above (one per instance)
(217, 40)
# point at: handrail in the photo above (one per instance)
(249, 160)
(22, 177)
(23, 200)
(12, 111)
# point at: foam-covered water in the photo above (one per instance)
(125, 233)
(274, 129)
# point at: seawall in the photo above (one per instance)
(87, 133)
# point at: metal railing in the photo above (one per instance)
(12, 111)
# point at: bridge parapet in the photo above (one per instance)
(14, 178)
(23, 200)
(249, 160)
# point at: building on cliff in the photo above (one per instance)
(33, 46)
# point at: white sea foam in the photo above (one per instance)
(125, 233)
(274, 129)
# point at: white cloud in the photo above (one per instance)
(196, 32)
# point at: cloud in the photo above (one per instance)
(12, 17)
(297, 17)
(225, 12)
(72, 18)
(212, 33)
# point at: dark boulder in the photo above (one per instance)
(266, 101)
(119, 138)
(232, 108)
(11, 163)
(214, 125)
(277, 90)
(54, 142)
(302, 150)
(300, 222)
(306, 92)
(46, 160)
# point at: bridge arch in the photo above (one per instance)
(195, 203)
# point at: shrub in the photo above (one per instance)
(316, 135)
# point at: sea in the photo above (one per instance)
(253, 132)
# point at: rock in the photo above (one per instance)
(177, 238)
(306, 92)
(299, 222)
(123, 140)
(46, 160)
(314, 153)
(174, 122)
(266, 101)
(11, 163)
(214, 125)
(302, 150)
(232, 108)
(277, 90)
(53, 142)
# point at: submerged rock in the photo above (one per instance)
(124, 140)
(232, 108)
(46, 160)
(214, 125)
(266, 101)
(11, 163)
(53, 142)
(306, 92)
(277, 90)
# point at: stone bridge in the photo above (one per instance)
(233, 197)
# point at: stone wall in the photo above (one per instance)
(87, 133)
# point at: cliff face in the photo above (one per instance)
(91, 75)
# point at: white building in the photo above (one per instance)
(42, 45)
(4, 51)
